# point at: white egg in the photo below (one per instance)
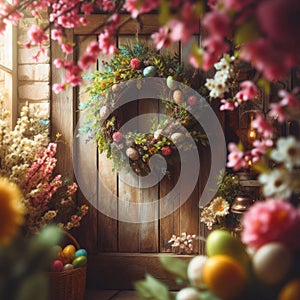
(132, 154)
(177, 137)
(195, 270)
(188, 294)
(272, 262)
(104, 112)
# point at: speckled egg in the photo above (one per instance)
(195, 270)
(149, 71)
(272, 262)
(132, 154)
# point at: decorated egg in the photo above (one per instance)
(188, 293)
(81, 252)
(79, 261)
(272, 262)
(178, 96)
(132, 154)
(149, 71)
(171, 83)
(115, 88)
(195, 270)
(104, 112)
(177, 137)
(57, 265)
(68, 267)
(69, 252)
(222, 242)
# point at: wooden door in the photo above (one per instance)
(120, 252)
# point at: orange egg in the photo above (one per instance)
(224, 276)
(291, 291)
(69, 252)
(63, 258)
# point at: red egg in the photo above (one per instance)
(57, 265)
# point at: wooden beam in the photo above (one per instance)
(120, 270)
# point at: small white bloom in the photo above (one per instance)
(287, 152)
(188, 293)
(276, 183)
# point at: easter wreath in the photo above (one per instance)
(130, 64)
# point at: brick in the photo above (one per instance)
(34, 91)
(25, 56)
(34, 72)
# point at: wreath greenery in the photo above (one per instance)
(103, 120)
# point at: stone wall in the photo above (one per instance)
(33, 77)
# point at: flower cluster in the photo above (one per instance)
(217, 213)
(182, 244)
(104, 119)
(28, 160)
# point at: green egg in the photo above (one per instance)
(149, 71)
(79, 261)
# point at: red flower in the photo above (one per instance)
(135, 63)
(166, 151)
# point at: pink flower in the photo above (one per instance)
(179, 31)
(67, 48)
(249, 91)
(87, 8)
(260, 147)
(217, 23)
(36, 35)
(262, 126)
(235, 157)
(228, 105)
(107, 42)
(272, 220)
(87, 60)
(277, 111)
(280, 21)
(136, 7)
(288, 99)
(117, 136)
(135, 64)
(166, 151)
(57, 35)
(161, 38)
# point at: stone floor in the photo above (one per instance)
(111, 295)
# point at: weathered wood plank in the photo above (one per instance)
(107, 195)
(86, 164)
(121, 270)
(148, 24)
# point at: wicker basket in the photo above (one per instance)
(69, 284)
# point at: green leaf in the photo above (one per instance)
(246, 32)
(175, 266)
(197, 54)
(260, 168)
(152, 289)
(164, 13)
(265, 85)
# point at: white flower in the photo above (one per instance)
(276, 183)
(219, 207)
(195, 270)
(287, 152)
(207, 217)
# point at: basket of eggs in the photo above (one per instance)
(67, 277)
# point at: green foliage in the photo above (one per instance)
(109, 86)
(152, 289)
(23, 265)
(175, 266)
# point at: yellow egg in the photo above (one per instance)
(224, 277)
(291, 291)
(69, 252)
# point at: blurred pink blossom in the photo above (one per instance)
(161, 38)
(262, 126)
(272, 220)
(236, 157)
(249, 91)
(228, 105)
